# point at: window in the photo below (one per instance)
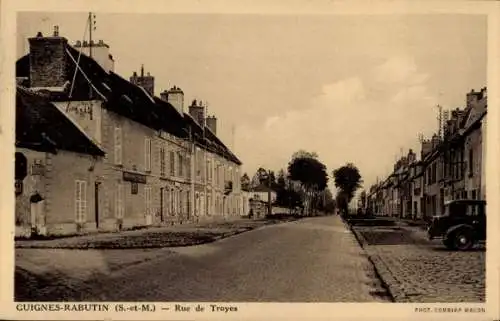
(171, 201)
(172, 163)
(147, 154)
(147, 200)
(162, 161)
(118, 146)
(208, 170)
(180, 165)
(80, 201)
(471, 162)
(119, 207)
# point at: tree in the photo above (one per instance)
(264, 177)
(363, 198)
(245, 182)
(311, 174)
(304, 154)
(281, 189)
(347, 180)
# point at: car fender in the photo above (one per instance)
(460, 227)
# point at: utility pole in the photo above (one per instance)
(91, 28)
(440, 120)
(269, 205)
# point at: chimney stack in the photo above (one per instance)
(197, 111)
(174, 96)
(48, 60)
(211, 122)
(146, 82)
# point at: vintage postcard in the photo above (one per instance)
(191, 160)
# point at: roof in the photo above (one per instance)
(41, 126)
(127, 99)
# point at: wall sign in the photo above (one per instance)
(37, 169)
(81, 108)
(135, 188)
(134, 177)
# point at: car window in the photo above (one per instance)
(473, 210)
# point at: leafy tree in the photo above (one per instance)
(304, 154)
(245, 182)
(363, 197)
(347, 179)
(311, 173)
(281, 189)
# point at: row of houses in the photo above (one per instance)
(98, 152)
(450, 166)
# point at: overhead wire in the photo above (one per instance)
(77, 64)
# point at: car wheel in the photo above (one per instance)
(463, 240)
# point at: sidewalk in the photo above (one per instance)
(152, 237)
(416, 269)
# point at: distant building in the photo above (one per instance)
(451, 166)
(261, 193)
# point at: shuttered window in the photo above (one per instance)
(172, 163)
(147, 199)
(80, 201)
(147, 154)
(118, 146)
(162, 161)
(119, 206)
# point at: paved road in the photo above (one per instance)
(311, 260)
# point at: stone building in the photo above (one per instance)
(160, 166)
(57, 169)
(451, 165)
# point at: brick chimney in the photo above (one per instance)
(145, 81)
(426, 148)
(197, 111)
(100, 53)
(174, 96)
(48, 60)
(211, 122)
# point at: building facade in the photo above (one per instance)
(160, 164)
(451, 166)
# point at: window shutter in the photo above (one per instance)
(119, 210)
(77, 200)
(147, 154)
(118, 146)
(83, 201)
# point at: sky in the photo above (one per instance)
(352, 88)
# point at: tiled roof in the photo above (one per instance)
(128, 100)
(43, 127)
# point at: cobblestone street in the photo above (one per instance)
(418, 270)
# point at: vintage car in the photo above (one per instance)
(462, 224)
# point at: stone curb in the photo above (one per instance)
(382, 273)
(382, 270)
(216, 236)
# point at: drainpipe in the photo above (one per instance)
(192, 169)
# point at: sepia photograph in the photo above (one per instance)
(252, 158)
